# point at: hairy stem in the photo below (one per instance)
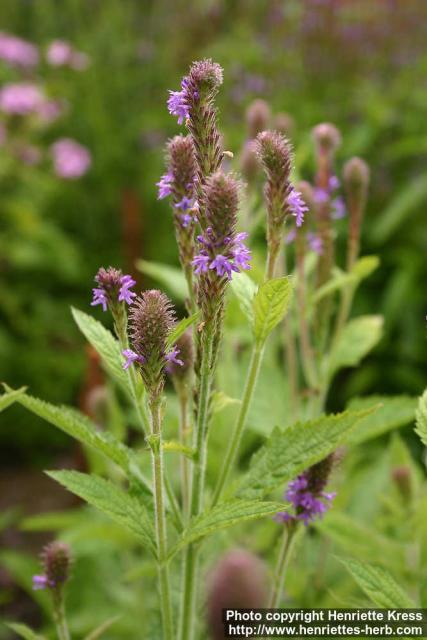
(234, 442)
(197, 485)
(59, 616)
(282, 564)
(160, 518)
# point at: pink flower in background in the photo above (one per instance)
(29, 154)
(50, 110)
(20, 98)
(70, 159)
(60, 53)
(17, 52)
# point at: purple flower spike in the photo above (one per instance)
(131, 357)
(172, 357)
(165, 185)
(297, 206)
(307, 497)
(124, 294)
(99, 297)
(40, 582)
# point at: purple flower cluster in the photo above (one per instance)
(18, 52)
(70, 159)
(297, 206)
(177, 102)
(324, 195)
(131, 357)
(56, 562)
(314, 241)
(237, 258)
(113, 286)
(308, 504)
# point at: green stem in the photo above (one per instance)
(59, 616)
(184, 466)
(160, 518)
(197, 485)
(234, 442)
(282, 564)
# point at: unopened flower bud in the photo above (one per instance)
(258, 115)
(249, 162)
(151, 321)
(356, 179)
(327, 137)
(56, 562)
(284, 123)
(401, 476)
(238, 581)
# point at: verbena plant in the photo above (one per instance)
(243, 318)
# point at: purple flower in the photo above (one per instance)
(16, 51)
(165, 185)
(172, 357)
(124, 294)
(185, 204)
(223, 266)
(40, 582)
(99, 297)
(70, 159)
(297, 206)
(320, 195)
(308, 504)
(20, 98)
(177, 103)
(334, 183)
(338, 208)
(186, 220)
(240, 252)
(131, 357)
(50, 110)
(201, 262)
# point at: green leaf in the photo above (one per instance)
(342, 279)
(270, 305)
(23, 631)
(81, 428)
(393, 412)
(244, 288)
(364, 266)
(421, 418)
(111, 500)
(378, 585)
(105, 344)
(226, 514)
(10, 397)
(97, 633)
(356, 339)
(180, 328)
(289, 452)
(171, 278)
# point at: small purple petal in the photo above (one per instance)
(99, 297)
(165, 186)
(40, 582)
(131, 357)
(177, 105)
(201, 262)
(172, 357)
(184, 204)
(125, 295)
(297, 206)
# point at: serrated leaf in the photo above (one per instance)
(393, 412)
(81, 428)
(180, 328)
(105, 344)
(378, 585)
(270, 305)
(171, 278)
(97, 633)
(111, 500)
(224, 515)
(355, 341)
(10, 397)
(23, 631)
(289, 452)
(244, 288)
(421, 418)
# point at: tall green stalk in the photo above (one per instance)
(288, 540)
(59, 616)
(197, 485)
(155, 441)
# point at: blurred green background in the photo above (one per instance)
(361, 64)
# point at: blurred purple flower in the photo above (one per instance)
(315, 242)
(172, 357)
(17, 52)
(20, 98)
(338, 208)
(50, 110)
(70, 159)
(40, 582)
(29, 155)
(61, 53)
(308, 505)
